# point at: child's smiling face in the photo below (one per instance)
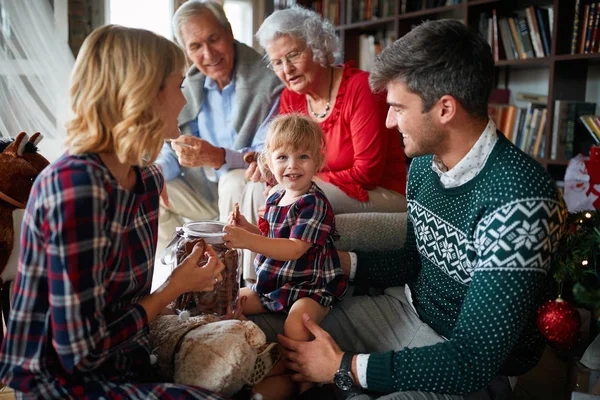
(293, 169)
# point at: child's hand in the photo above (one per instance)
(237, 219)
(236, 237)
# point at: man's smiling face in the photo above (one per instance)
(210, 47)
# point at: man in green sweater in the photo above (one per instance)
(457, 317)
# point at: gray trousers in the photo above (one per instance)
(368, 324)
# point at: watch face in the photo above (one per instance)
(343, 380)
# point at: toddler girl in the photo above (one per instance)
(297, 267)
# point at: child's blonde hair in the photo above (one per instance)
(117, 75)
(295, 132)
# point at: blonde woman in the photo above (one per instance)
(79, 324)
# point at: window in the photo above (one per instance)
(239, 14)
(153, 15)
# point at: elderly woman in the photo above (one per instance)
(365, 170)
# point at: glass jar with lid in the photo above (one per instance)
(225, 293)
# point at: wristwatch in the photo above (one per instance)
(343, 376)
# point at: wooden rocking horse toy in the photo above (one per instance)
(20, 164)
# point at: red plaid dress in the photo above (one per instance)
(76, 330)
(317, 274)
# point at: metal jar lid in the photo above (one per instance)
(210, 231)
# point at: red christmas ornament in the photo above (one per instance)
(559, 323)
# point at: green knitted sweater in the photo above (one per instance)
(476, 259)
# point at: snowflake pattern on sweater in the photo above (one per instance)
(476, 259)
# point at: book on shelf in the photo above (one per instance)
(528, 134)
(542, 17)
(594, 39)
(568, 136)
(516, 37)
(575, 33)
(370, 45)
(488, 28)
(510, 49)
(534, 31)
(523, 126)
(590, 122)
(330, 9)
(525, 38)
(524, 34)
(364, 10)
(585, 37)
(574, 131)
(531, 97)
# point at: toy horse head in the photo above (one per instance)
(20, 164)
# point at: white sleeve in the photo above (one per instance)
(362, 360)
(353, 263)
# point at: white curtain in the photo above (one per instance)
(35, 67)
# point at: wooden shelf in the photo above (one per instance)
(526, 63)
(594, 57)
(556, 162)
(480, 2)
(366, 24)
(429, 11)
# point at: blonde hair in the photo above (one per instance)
(296, 132)
(117, 75)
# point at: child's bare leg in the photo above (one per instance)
(294, 325)
(277, 385)
(253, 303)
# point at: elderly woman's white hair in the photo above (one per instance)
(306, 25)
(192, 8)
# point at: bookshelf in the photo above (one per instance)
(559, 75)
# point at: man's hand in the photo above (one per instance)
(253, 173)
(314, 361)
(194, 152)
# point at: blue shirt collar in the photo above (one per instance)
(211, 84)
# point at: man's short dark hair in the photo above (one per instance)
(439, 58)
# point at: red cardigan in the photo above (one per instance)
(361, 152)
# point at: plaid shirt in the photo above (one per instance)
(87, 252)
(317, 274)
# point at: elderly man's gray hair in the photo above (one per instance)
(300, 23)
(192, 8)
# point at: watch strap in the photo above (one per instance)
(346, 364)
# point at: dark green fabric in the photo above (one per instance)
(476, 260)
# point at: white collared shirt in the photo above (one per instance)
(471, 164)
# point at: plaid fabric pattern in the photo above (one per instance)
(317, 274)
(87, 253)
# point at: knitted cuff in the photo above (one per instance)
(379, 372)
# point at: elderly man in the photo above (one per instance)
(231, 96)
